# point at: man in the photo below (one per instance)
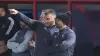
(19, 43)
(65, 41)
(8, 27)
(46, 32)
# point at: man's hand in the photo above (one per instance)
(13, 11)
(31, 43)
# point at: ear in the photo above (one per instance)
(55, 16)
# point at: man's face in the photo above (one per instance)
(23, 25)
(59, 23)
(2, 12)
(48, 20)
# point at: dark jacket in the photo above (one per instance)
(8, 27)
(46, 44)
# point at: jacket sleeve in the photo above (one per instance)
(25, 44)
(30, 22)
(70, 39)
(11, 44)
(26, 19)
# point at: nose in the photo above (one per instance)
(45, 21)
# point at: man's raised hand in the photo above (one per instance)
(13, 11)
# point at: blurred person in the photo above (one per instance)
(65, 41)
(19, 43)
(8, 26)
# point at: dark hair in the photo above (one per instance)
(49, 11)
(5, 6)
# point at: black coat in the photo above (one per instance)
(8, 27)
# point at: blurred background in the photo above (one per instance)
(85, 20)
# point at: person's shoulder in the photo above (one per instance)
(69, 30)
(29, 32)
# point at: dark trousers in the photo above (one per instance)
(7, 53)
(97, 51)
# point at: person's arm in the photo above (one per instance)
(26, 19)
(11, 44)
(70, 40)
(30, 22)
(25, 44)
